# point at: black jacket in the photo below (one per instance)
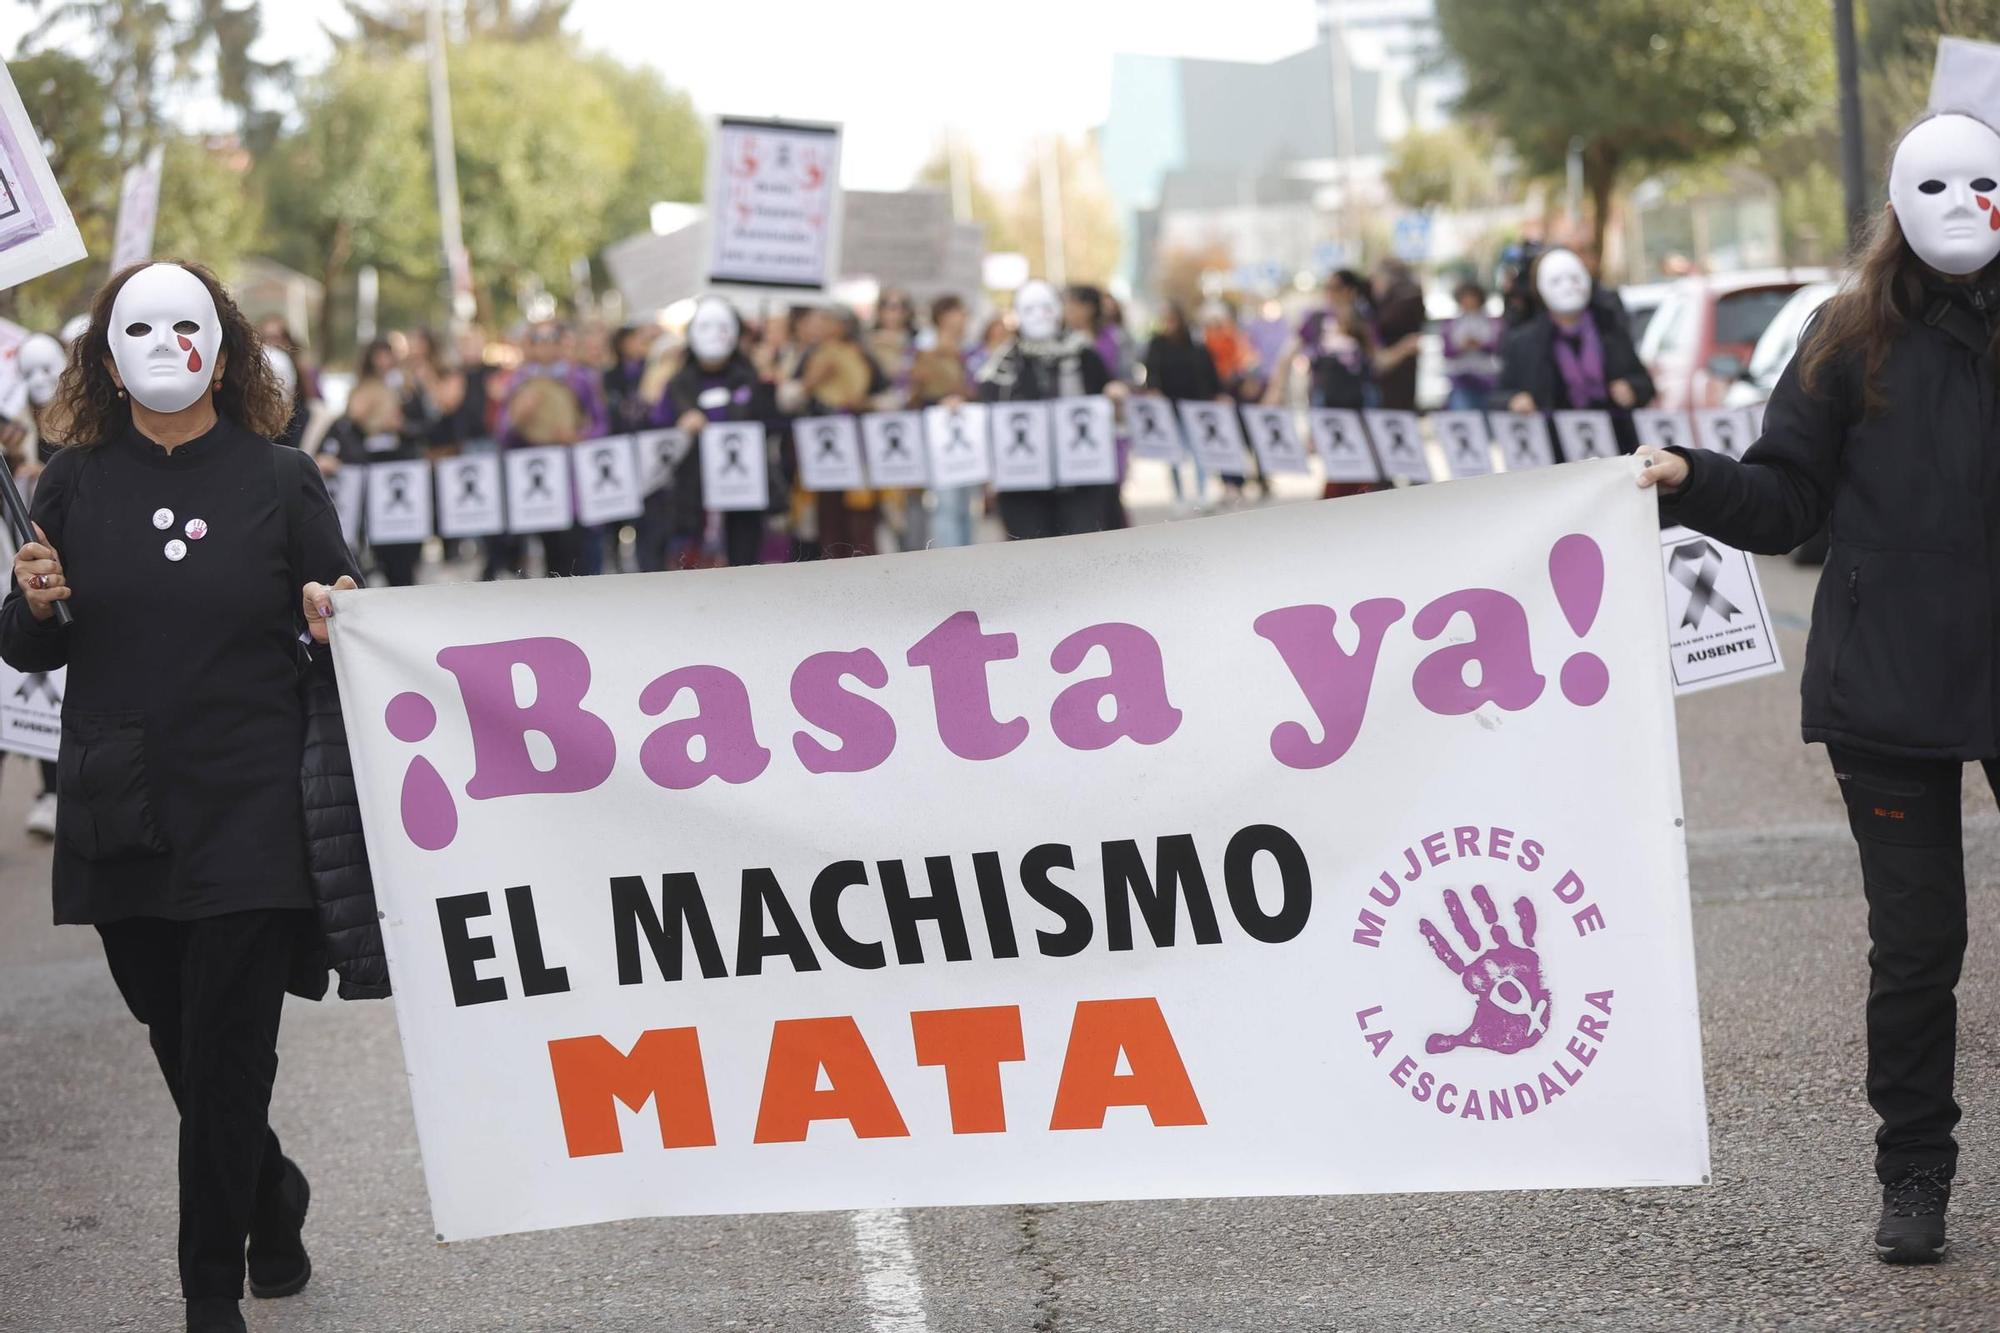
(1901, 656)
(1181, 368)
(1528, 365)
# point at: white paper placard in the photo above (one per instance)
(1523, 438)
(1723, 429)
(1215, 435)
(597, 866)
(1022, 457)
(1086, 449)
(956, 437)
(30, 701)
(1274, 434)
(1399, 443)
(538, 498)
(658, 453)
(773, 203)
(1342, 441)
(607, 481)
(1463, 440)
(1585, 435)
(138, 209)
(735, 476)
(829, 453)
(37, 233)
(1155, 433)
(348, 489)
(470, 500)
(1664, 429)
(399, 502)
(1718, 626)
(894, 444)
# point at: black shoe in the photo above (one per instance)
(277, 1258)
(215, 1314)
(1912, 1228)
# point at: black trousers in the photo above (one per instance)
(1905, 817)
(209, 993)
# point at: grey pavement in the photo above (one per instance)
(1779, 1240)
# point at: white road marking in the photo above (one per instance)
(889, 1280)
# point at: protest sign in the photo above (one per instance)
(773, 203)
(894, 445)
(1524, 439)
(468, 496)
(1274, 435)
(1663, 429)
(607, 481)
(1215, 435)
(538, 497)
(30, 701)
(138, 208)
(735, 471)
(37, 233)
(659, 452)
(829, 451)
(1399, 443)
(1585, 435)
(957, 439)
(1275, 855)
(1718, 627)
(1086, 453)
(1723, 429)
(1342, 442)
(1022, 457)
(1155, 434)
(1462, 436)
(399, 502)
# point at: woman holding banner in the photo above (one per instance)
(184, 540)
(1885, 423)
(1577, 354)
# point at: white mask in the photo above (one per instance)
(281, 365)
(713, 332)
(1942, 186)
(40, 361)
(164, 335)
(1039, 309)
(1562, 282)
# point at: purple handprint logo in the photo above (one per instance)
(1504, 978)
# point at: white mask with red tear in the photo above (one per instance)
(164, 337)
(1945, 188)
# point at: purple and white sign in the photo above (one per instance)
(37, 233)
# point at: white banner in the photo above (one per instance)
(1524, 440)
(1342, 442)
(773, 203)
(1155, 433)
(958, 449)
(607, 481)
(1022, 457)
(1215, 435)
(37, 232)
(735, 474)
(1467, 448)
(138, 209)
(1718, 627)
(894, 445)
(469, 500)
(1585, 435)
(904, 883)
(829, 452)
(399, 502)
(1086, 450)
(538, 498)
(1399, 443)
(1274, 434)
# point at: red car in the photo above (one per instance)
(1699, 340)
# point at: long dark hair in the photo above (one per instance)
(1868, 313)
(93, 408)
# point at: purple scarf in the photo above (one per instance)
(1582, 364)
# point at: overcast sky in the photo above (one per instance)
(896, 73)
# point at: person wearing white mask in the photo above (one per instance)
(1576, 354)
(1046, 361)
(191, 549)
(1886, 422)
(718, 382)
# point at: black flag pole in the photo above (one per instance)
(23, 529)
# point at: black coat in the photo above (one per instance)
(1528, 365)
(1901, 656)
(1181, 369)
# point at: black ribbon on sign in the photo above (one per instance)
(957, 444)
(1586, 438)
(538, 479)
(1211, 428)
(1338, 439)
(1695, 566)
(1020, 444)
(38, 685)
(1080, 419)
(892, 439)
(1399, 443)
(607, 476)
(732, 455)
(1725, 435)
(1466, 448)
(1524, 451)
(1275, 438)
(829, 445)
(468, 487)
(399, 491)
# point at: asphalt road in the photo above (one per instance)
(1780, 1239)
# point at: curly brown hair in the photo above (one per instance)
(93, 408)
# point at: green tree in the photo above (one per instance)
(1638, 84)
(206, 210)
(1451, 167)
(399, 26)
(668, 140)
(988, 209)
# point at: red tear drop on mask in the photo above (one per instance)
(194, 357)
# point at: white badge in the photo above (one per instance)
(176, 549)
(163, 519)
(196, 529)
